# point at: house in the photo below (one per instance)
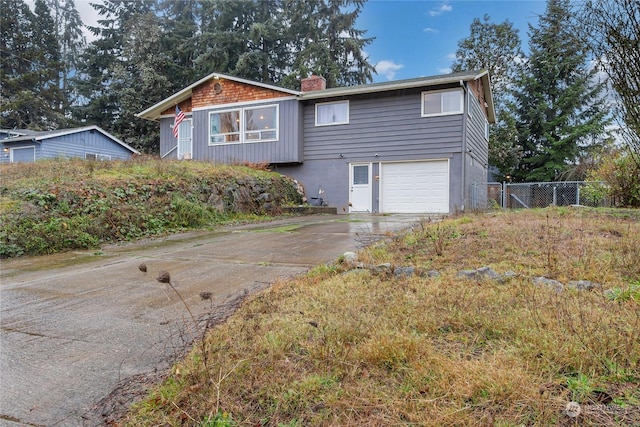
(88, 142)
(408, 146)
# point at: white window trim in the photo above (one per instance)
(486, 130)
(241, 126)
(447, 113)
(277, 122)
(98, 157)
(470, 98)
(333, 123)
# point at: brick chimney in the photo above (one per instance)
(313, 83)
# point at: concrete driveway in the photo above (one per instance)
(77, 325)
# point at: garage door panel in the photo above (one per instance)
(415, 187)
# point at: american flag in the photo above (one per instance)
(176, 122)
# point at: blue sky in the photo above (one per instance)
(415, 38)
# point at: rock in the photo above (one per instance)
(549, 283)
(382, 268)
(489, 273)
(470, 274)
(350, 257)
(482, 272)
(433, 273)
(404, 271)
(572, 409)
(583, 285)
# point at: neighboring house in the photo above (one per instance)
(409, 146)
(89, 142)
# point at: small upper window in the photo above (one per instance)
(442, 102)
(332, 113)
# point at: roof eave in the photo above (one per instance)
(399, 85)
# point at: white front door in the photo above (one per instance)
(185, 141)
(360, 187)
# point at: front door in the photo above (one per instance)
(185, 142)
(360, 187)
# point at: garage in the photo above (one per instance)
(414, 187)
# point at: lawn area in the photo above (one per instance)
(348, 346)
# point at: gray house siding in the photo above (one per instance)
(477, 155)
(287, 149)
(390, 127)
(380, 129)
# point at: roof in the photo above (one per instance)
(154, 112)
(37, 136)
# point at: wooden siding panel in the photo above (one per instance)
(389, 127)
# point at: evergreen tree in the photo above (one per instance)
(559, 107)
(495, 48)
(142, 70)
(31, 97)
(68, 26)
(101, 77)
(181, 40)
(325, 42)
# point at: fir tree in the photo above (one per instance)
(31, 98)
(495, 48)
(559, 106)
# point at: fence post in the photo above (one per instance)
(577, 194)
(555, 196)
(504, 192)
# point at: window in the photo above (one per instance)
(442, 102)
(225, 127)
(261, 124)
(254, 124)
(97, 157)
(332, 113)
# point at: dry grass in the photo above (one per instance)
(343, 347)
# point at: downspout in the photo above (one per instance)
(465, 114)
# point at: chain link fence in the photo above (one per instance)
(538, 194)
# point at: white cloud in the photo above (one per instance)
(446, 70)
(451, 56)
(430, 30)
(444, 7)
(388, 68)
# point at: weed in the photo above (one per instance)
(360, 349)
(58, 205)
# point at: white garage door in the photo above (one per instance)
(416, 187)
